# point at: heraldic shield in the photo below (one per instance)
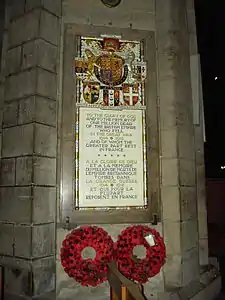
(91, 92)
(110, 72)
(110, 69)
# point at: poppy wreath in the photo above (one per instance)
(87, 271)
(135, 269)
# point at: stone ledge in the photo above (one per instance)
(207, 287)
(209, 292)
(49, 296)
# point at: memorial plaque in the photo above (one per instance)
(111, 158)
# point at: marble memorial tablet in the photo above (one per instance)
(111, 158)
(110, 152)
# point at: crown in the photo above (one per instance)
(111, 44)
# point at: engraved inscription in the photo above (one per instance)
(111, 158)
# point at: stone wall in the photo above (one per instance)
(178, 185)
(2, 27)
(129, 14)
(29, 140)
(174, 120)
(199, 142)
(2, 24)
(31, 166)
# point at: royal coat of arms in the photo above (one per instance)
(110, 72)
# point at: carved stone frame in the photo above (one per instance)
(68, 131)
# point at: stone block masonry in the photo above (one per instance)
(29, 148)
(178, 177)
(199, 145)
(30, 168)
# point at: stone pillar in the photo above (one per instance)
(29, 148)
(2, 27)
(199, 144)
(178, 181)
(2, 19)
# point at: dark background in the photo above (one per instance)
(210, 21)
